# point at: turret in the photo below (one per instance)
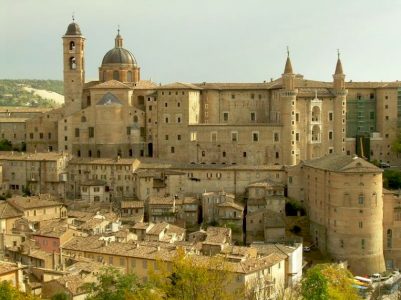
(288, 97)
(340, 107)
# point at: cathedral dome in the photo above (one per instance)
(73, 29)
(119, 56)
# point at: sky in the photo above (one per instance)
(207, 40)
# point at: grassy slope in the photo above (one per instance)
(13, 94)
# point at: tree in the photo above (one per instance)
(60, 296)
(392, 179)
(196, 278)
(5, 145)
(113, 285)
(8, 292)
(314, 285)
(328, 281)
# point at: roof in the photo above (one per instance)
(75, 283)
(288, 66)
(234, 86)
(119, 55)
(7, 267)
(339, 67)
(22, 203)
(217, 234)
(132, 204)
(231, 205)
(266, 184)
(158, 228)
(342, 163)
(73, 29)
(111, 84)
(12, 120)
(266, 249)
(179, 85)
(52, 228)
(104, 161)
(95, 182)
(7, 211)
(39, 156)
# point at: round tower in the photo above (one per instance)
(288, 97)
(74, 67)
(340, 108)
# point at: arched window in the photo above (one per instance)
(116, 75)
(316, 133)
(315, 114)
(130, 153)
(83, 119)
(73, 64)
(90, 153)
(129, 76)
(72, 45)
(135, 119)
(79, 153)
(389, 238)
(98, 153)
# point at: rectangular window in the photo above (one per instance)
(76, 132)
(193, 136)
(128, 130)
(297, 117)
(234, 136)
(225, 116)
(179, 137)
(297, 136)
(330, 135)
(330, 116)
(166, 137)
(41, 135)
(172, 150)
(91, 132)
(213, 136)
(276, 137)
(363, 244)
(255, 136)
(253, 116)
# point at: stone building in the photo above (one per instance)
(35, 173)
(283, 121)
(344, 201)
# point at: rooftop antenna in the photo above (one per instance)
(118, 29)
(73, 16)
(338, 53)
(288, 52)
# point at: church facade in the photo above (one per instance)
(280, 122)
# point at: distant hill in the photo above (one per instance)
(35, 93)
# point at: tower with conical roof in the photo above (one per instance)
(340, 108)
(288, 97)
(74, 67)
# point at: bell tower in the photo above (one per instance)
(74, 68)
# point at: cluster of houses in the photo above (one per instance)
(50, 247)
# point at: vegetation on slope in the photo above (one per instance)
(12, 92)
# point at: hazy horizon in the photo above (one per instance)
(212, 41)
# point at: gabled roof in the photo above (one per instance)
(342, 163)
(41, 201)
(111, 84)
(109, 99)
(7, 211)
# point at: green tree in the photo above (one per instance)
(5, 145)
(392, 179)
(113, 285)
(328, 281)
(314, 285)
(8, 292)
(60, 296)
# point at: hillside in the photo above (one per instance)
(37, 93)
